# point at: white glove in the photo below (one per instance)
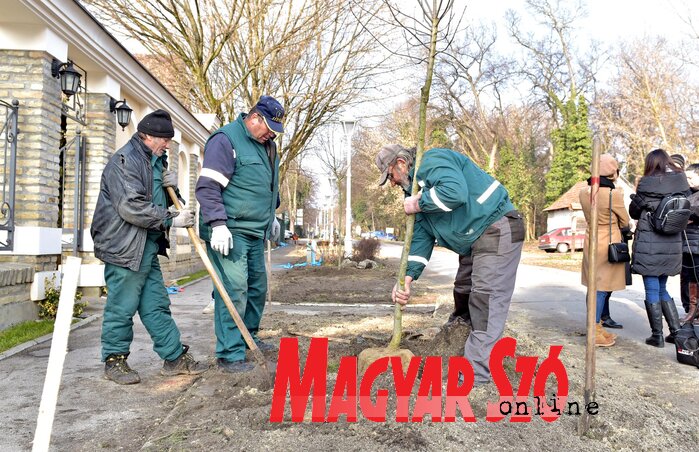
(275, 230)
(169, 179)
(221, 239)
(184, 219)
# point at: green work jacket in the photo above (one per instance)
(250, 198)
(459, 201)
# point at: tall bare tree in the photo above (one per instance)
(471, 77)
(651, 102)
(314, 55)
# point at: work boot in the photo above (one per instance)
(606, 333)
(672, 319)
(183, 365)
(234, 367)
(693, 295)
(655, 319)
(601, 340)
(117, 369)
(461, 312)
(609, 322)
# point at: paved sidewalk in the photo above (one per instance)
(86, 401)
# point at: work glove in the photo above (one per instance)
(275, 230)
(221, 239)
(169, 179)
(184, 219)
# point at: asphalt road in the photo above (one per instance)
(556, 296)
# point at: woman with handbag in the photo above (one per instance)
(612, 216)
(657, 255)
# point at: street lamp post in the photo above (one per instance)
(348, 127)
(332, 180)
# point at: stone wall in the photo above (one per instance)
(26, 76)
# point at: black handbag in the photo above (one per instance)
(617, 252)
(687, 342)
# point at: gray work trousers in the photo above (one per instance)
(488, 275)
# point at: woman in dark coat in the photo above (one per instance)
(657, 256)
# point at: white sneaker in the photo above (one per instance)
(209, 309)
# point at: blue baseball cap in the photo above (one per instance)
(272, 112)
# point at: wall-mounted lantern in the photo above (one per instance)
(122, 110)
(74, 87)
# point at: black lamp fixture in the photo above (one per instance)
(70, 78)
(122, 110)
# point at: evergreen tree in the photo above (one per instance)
(572, 150)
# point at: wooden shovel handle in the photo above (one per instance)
(219, 286)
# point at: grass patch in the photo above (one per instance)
(192, 277)
(23, 332)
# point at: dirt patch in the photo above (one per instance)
(330, 284)
(532, 255)
(640, 398)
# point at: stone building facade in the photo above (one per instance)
(34, 34)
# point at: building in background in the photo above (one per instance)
(48, 196)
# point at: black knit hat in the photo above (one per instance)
(157, 124)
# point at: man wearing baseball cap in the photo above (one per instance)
(466, 210)
(238, 192)
(130, 229)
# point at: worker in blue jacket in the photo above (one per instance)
(466, 210)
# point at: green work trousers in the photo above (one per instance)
(245, 279)
(144, 292)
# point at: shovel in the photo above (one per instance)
(254, 349)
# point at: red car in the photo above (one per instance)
(561, 240)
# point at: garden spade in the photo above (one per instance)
(254, 349)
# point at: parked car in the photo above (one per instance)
(561, 240)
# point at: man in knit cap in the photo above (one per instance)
(130, 229)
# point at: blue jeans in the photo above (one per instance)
(655, 289)
(602, 298)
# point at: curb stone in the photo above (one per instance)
(47, 337)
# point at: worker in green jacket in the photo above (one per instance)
(238, 192)
(466, 210)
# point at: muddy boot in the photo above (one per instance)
(606, 333)
(183, 365)
(693, 295)
(655, 319)
(117, 370)
(600, 339)
(234, 367)
(672, 319)
(461, 312)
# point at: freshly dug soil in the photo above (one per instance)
(638, 409)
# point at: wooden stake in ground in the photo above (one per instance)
(57, 355)
(254, 349)
(437, 11)
(589, 391)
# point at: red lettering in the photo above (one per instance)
(374, 412)
(431, 383)
(526, 365)
(504, 347)
(552, 365)
(288, 376)
(404, 384)
(458, 395)
(345, 385)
